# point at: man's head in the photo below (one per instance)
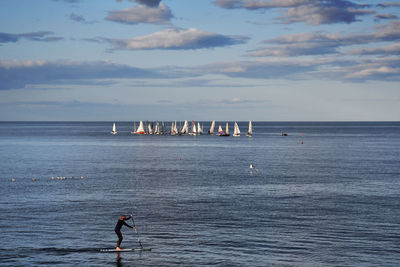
(123, 217)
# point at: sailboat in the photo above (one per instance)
(157, 128)
(173, 127)
(199, 129)
(211, 131)
(193, 131)
(134, 128)
(149, 128)
(114, 129)
(140, 130)
(220, 131)
(185, 128)
(236, 130)
(250, 131)
(226, 131)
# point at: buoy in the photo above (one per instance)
(13, 180)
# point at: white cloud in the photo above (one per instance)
(313, 12)
(393, 49)
(319, 43)
(159, 14)
(176, 39)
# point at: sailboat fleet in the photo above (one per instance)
(157, 128)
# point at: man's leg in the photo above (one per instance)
(119, 238)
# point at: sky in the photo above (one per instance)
(261, 60)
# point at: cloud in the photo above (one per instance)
(382, 69)
(324, 68)
(41, 36)
(319, 43)
(79, 18)
(159, 14)
(312, 12)
(389, 4)
(387, 50)
(324, 14)
(256, 4)
(269, 68)
(385, 16)
(296, 49)
(18, 74)
(150, 3)
(176, 39)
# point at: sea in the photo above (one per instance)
(327, 194)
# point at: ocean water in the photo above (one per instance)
(332, 201)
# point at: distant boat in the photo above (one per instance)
(134, 128)
(220, 131)
(211, 131)
(140, 130)
(236, 130)
(199, 129)
(174, 130)
(114, 129)
(226, 131)
(193, 130)
(157, 128)
(149, 128)
(250, 131)
(185, 128)
(284, 134)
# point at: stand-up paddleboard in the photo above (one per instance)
(125, 250)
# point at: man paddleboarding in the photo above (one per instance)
(121, 222)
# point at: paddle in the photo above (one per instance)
(134, 227)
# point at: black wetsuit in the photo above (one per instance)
(118, 229)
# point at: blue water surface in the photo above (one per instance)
(332, 201)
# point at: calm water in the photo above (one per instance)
(332, 201)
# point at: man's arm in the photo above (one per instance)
(127, 225)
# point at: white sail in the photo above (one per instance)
(199, 128)
(140, 130)
(185, 128)
(227, 128)
(211, 131)
(172, 128)
(149, 128)
(134, 128)
(193, 130)
(157, 129)
(250, 131)
(236, 130)
(114, 129)
(176, 128)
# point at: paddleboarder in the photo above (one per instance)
(120, 223)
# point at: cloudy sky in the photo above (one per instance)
(269, 60)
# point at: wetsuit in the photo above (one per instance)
(118, 229)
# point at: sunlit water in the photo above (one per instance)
(332, 201)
